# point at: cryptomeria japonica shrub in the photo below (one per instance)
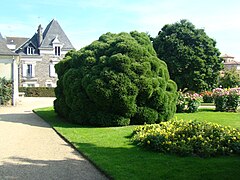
(115, 81)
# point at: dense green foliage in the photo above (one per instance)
(191, 56)
(110, 149)
(5, 91)
(230, 79)
(115, 81)
(189, 138)
(37, 91)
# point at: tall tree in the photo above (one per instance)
(192, 57)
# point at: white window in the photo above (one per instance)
(30, 50)
(57, 50)
(28, 70)
(30, 84)
(49, 85)
(52, 72)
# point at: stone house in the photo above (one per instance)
(39, 54)
(9, 67)
(230, 62)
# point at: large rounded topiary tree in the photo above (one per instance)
(115, 81)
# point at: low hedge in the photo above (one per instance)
(38, 91)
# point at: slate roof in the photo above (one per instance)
(3, 47)
(18, 41)
(32, 41)
(52, 30)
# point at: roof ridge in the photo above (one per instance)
(50, 32)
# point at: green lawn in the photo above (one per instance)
(224, 118)
(111, 150)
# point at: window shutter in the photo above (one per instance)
(24, 70)
(33, 70)
(52, 70)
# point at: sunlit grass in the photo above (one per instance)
(112, 151)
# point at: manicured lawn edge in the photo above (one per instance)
(75, 148)
(111, 150)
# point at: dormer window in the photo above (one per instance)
(30, 50)
(57, 50)
(57, 46)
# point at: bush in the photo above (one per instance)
(231, 78)
(226, 100)
(207, 97)
(37, 91)
(188, 138)
(115, 81)
(5, 91)
(188, 102)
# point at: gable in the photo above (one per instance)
(30, 43)
(52, 31)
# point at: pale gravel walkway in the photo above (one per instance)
(30, 149)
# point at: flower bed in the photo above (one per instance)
(226, 99)
(188, 138)
(207, 96)
(188, 102)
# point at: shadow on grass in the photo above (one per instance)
(56, 121)
(137, 163)
(206, 110)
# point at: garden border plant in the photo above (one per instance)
(183, 137)
(188, 102)
(5, 90)
(226, 99)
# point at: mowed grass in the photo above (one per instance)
(223, 118)
(112, 151)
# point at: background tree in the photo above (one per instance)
(115, 81)
(230, 79)
(191, 56)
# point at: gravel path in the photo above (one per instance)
(30, 149)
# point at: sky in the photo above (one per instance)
(84, 21)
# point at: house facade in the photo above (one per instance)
(39, 54)
(9, 67)
(230, 62)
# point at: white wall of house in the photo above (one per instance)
(9, 70)
(6, 68)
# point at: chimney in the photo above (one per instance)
(40, 35)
